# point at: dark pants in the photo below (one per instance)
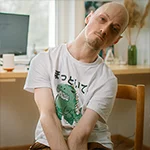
(91, 146)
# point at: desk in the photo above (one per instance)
(18, 72)
(126, 69)
(21, 72)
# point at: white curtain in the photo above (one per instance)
(69, 19)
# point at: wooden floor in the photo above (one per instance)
(120, 143)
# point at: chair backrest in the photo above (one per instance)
(137, 93)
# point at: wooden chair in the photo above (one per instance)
(137, 93)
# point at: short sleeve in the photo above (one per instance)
(103, 99)
(38, 76)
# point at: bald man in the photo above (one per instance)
(73, 88)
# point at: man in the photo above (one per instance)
(73, 88)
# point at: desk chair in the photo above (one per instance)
(137, 93)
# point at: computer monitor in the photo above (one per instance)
(13, 33)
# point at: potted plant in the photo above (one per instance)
(136, 19)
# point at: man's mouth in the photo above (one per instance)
(99, 36)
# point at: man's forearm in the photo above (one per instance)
(52, 129)
(78, 138)
(80, 134)
(76, 143)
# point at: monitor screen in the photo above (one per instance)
(13, 33)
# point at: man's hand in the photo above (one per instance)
(78, 138)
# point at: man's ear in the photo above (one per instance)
(88, 17)
(118, 39)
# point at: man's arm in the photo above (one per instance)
(78, 138)
(49, 120)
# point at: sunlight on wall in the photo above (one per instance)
(52, 23)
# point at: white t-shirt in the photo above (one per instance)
(75, 86)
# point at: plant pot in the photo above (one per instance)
(132, 55)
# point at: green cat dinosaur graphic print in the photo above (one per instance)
(67, 104)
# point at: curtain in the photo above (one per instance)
(69, 19)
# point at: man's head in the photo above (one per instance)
(105, 25)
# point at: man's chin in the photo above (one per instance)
(94, 43)
(96, 46)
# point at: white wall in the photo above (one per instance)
(143, 44)
(69, 20)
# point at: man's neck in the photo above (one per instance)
(81, 51)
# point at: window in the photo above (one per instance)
(41, 24)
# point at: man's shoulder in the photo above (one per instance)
(106, 69)
(106, 72)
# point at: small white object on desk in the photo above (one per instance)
(8, 62)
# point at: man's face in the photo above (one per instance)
(105, 26)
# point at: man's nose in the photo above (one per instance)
(104, 30)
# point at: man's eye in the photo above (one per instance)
(115, 29)
(102, 18)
